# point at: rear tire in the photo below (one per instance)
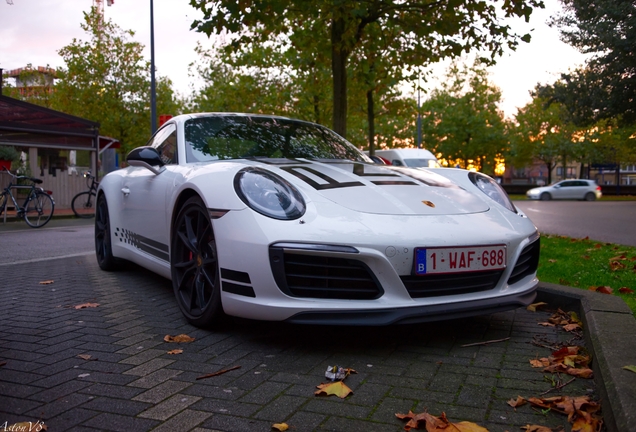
(194, 265)
(545, 196)
(84, 202)
(103, 245)
(39, 209)
(590, 196)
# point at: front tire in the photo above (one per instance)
(194, 265)
(82, 205)
(103, 245)
(39, 209)
(545, 196)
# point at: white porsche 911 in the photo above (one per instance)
(271, 218)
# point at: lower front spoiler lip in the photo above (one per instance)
(417, 314)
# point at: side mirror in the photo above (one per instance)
(146, 157)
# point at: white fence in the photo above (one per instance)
(63, 185)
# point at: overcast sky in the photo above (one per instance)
(32, 31)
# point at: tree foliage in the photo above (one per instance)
(106, 80)
(422, 31)
(606, 88)
(462, 122)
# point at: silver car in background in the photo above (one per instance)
(580, 189)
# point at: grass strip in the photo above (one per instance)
(585, 263)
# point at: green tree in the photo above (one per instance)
(425, 30)
(607, 29)
(461, 120)
(106, 80)
(543, 133)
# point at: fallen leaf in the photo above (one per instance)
(84, 356)
(571, 327)
(281, 427)
(536, 428)
(564, 282)
(585, 257)
(221, 372)
(616, 265)
(175, 351)
(182, 338)
(598, 245)
(534, 306)
(625, 290)
(47, 282)
(552, 260)
(602, 289)
(630, 368)
(517, 402)
(337, 388)
(546, 324)
(437, 424)
(537, 363)
(86, 305)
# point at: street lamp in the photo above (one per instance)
(153, 87)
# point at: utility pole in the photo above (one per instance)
(153, 87)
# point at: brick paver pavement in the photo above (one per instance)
(130, 383)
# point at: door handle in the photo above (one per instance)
(125, 191)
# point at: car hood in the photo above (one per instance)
(380, 190)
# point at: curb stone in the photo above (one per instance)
(610, 334)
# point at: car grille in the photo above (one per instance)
(434, 285)
(527, 263)
(323, 277)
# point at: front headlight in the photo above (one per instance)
(491, 188)
(269, 194)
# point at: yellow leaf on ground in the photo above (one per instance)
(630, 368)
(337, 388)
(178, 339)
(86, 305)
(536, 428)
(534, 306)
(175, 351)
(281, 427)
(46, 282)
(430, 423)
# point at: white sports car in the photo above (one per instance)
(271, 218)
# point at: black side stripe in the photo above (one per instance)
(152, 247)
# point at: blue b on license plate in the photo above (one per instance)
(459, 259)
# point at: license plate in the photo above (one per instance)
(459, 259)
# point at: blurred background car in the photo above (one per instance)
(580, 189)
(409, 157)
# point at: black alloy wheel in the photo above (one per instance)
(103, 245)
(194, 265)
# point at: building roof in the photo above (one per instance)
(23, 124)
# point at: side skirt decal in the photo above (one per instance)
(152, 247)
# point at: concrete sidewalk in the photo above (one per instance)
(131, 383)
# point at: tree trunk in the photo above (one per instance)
(339, 57)
(371, 120)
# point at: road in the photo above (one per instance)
(607, 221)
(59, 238)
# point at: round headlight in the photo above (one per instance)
(493, 189)
(269, 194)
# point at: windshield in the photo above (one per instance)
(243, 137)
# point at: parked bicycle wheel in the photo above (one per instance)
(3, 202)
(83, 205)
(38, 209)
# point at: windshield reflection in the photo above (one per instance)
(242, 137)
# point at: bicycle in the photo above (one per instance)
(38, 206)
(84, 200)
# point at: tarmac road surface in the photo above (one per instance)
(608, 221)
